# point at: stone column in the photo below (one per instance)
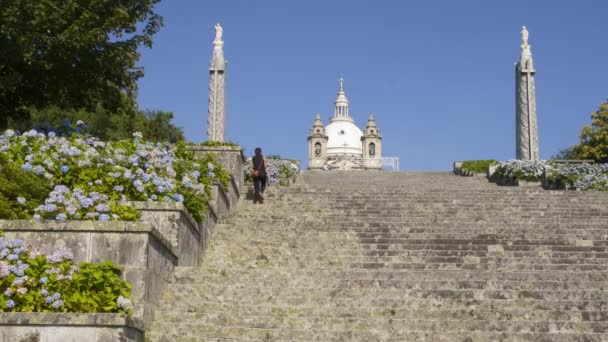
(525, 104)
(216, 118)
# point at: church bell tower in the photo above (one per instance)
(371, 143)
(317, 145)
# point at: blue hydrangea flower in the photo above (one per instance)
(104, 217)
(61, 217)
(44, 280)
(64, 169)
(44, 292)
(21, 200)
(10, 303)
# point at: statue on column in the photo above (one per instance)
(218, 32)
(524, 36)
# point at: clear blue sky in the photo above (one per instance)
(438, 75)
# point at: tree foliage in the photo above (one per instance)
(154, 124)
(594, 138)
(73, 55)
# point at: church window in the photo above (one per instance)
(318, 130)
(317, 149)
(372, 149)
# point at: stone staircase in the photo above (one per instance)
(407, 256)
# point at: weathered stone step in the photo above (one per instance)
(402, 309)
(380, 285)
(184, 335)
(442, 247)
(304, 239)
(231, 326)
(287, 225)
(270, 313)
(184, 274)
(288, 295)
(382, 305)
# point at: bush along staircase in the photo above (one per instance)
(401, 256)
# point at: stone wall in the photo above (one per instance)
(174, 222)
(148, 252)
(146, 256)
(63, 327)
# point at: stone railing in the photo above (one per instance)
(69, 327)
(147, 251)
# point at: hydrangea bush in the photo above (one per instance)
(279, 170)
(91, 179)
(480, 166)
(31, 281)
(579, 176)
(528, 170)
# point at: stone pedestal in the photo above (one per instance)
(231, 158)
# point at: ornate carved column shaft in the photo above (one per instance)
(216, 118)
(525, 104)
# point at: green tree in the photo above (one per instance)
(155, 125)
(564, 154)
(77, 55)
(594, 137)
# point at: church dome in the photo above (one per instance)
(344, 137)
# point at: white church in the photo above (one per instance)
(341, 145)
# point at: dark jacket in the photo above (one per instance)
(258, 164)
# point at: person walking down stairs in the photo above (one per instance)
(259, 175)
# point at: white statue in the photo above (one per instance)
(524, 36)
(218, 32)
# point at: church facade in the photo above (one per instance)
(341, 145)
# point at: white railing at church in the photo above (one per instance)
(391, 162)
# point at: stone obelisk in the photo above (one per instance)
(525, 103)
(216, 119)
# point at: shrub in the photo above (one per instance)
(578, 176)
(34, 282)
(478, 166)
(528, 170)
(90, 178)
(212, 143)
(20, 191)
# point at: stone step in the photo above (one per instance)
(195, 303)
(232, 326)
(473, 336)
(403, 309)
(311, 284)
(490, 248)
(188, 274)
(411, 256)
